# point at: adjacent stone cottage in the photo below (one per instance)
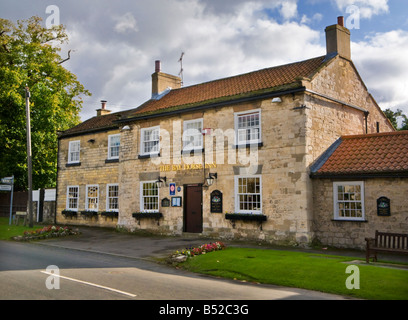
(230, 158)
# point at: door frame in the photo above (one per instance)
(185, 186)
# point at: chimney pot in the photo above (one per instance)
(102, 111)
(157, 66)
(340, 21)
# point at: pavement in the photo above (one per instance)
(147, 246)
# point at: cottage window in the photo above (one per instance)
(248, 194)
(248, 127)
(149, 196)
(348, 199)
(92, 197)
(113, 146)
(72, 198)
(73, 151)
(112, 197)
(192, 136)
(150, 141)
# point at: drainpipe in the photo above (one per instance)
(366, 113)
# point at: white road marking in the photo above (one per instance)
(92, 284)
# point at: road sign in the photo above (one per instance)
(7, 180)
(5, 187)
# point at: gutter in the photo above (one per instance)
(366, 112)
(336, 100)
(213, 105)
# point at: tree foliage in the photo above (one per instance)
(394, 117)
(29, 56)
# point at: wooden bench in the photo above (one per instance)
(21, 215)
(386, 242)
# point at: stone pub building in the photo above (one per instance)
(288, 154)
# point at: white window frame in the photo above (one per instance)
(142, 142)
(237, 194)
(108, 197)
(336, 201)
(72, 149)
(237, 115)
(187, 133)
(110, 146)
(87, 203)
(142, 197)
(68, 198)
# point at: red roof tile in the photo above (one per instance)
(244, 84)
(249, 84)
(379, 153)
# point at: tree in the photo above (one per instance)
(393, 117)
(29, 56)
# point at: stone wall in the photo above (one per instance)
(94, 169)
(280, 162)
(351, 234)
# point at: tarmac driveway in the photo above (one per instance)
(109, 241)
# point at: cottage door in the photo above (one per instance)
(193, 212)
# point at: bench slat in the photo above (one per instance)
(386, 242)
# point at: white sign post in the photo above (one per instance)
(8, 185)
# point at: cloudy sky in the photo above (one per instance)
(115, 43)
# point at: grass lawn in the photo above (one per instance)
(318, 272)
(7, 231)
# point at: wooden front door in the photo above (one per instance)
(193, 213)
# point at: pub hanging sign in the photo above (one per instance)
(383, 207)
(216, 201)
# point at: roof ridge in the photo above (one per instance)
(377, 134)
(324, 57)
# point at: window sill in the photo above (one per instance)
(89, 214)
(246, 216)
(349, 220)
(73, 164)
(192, 151)
(249, 145)
(115, 160)
(155, 215)
(148, 156)
(110, 214)
(69, 213)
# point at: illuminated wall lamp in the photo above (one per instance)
(161, 181)
(210, 179)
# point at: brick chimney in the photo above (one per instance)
(102, 111)
(338, 39)
(162, 81)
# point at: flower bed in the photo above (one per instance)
(46, 232)
(180, 256)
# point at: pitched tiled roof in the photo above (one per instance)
(244, 85)
(95, 124)
(251, 84)
(370, 154)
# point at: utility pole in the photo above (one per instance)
(29, 161)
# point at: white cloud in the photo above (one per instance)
(125, 23)
(288, 10)
(368, 8)
(115, 63)
(381, 60)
